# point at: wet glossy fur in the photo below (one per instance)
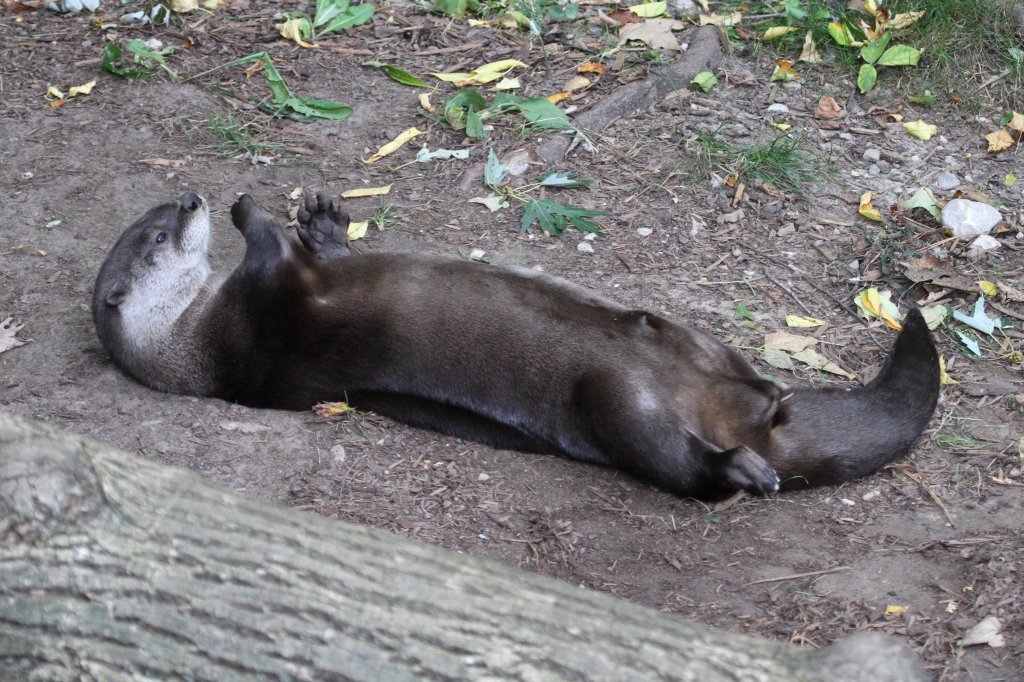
(507, 356)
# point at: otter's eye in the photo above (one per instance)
(161, 238)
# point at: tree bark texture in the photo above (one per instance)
(113, 567)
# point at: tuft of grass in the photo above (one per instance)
(240, 137)
(785, 163)
(385, 217)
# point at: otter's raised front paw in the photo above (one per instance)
(742, 468)
(323, 227)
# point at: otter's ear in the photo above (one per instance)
(116, 296)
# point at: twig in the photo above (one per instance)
(788, 291)
(935, 498)
(797, 576)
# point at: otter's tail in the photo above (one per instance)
(829, 436)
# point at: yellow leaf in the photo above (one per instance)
(721, 19)
(920, 129)
(425, 102)
(810, 52)
(478, 23)
(394, 145)
(945, 379)
(649, 9)
(988, 288)
(1017, 122)
(357, 229)
(558, 97)
(782, 126)
(576, 83)
(902, 21)
(592, 67)
(485, 74)
(83, 89)
(183, 6)
(802, 321)
(366, 192)
(893, 610)
(875, 303)
(508, 84)
(866, 209)
(784, 71)
(292, 30)
(54, 93)
(999, 140)
(324, 410)
(776, 32)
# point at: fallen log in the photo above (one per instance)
(115, 567)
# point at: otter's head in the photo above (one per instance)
(151, 275)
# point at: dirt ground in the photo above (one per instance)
(938, 534)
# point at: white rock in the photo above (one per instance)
(644, 231)
(968, 218)
(477, 254)
(585, 247)
(483, 477)
(778, 108)
(981, 245)
(947, 181)
(872, 154)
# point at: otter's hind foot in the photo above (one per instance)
(323, 227)
(744, 469)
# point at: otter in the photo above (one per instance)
(506, 356)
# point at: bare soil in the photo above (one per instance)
(937, 535)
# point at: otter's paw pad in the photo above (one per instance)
(323, 227)
(744, 469)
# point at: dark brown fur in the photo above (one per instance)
(510, 357)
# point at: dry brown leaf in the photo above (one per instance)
(828, 108)
(810, 52)
(793, 343)
(999, 140)
(656, 33)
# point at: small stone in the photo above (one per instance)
(847, 502)
(846, 136)
(791, 85)
(947, 181)
(786, 230)
(585, 247)
(867, 497)
(967, 218)
(778, 108)
(338, 454)
(477, 254)
(873, 170)
(683, 8)
(981, 245)
(483, 478)
(872, 154)
(644, 231)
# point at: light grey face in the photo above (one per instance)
(152, 274)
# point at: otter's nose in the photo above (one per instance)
(190, 201)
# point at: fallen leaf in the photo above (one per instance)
(803, 321)
(394, 145)
(810, 52)
(649, 9)
(920, 129)
(484, 74)
(366, 192)
(83, 89)
(493, 202)
(922, 198)
(894, 610)
(558, 97)
(777, 358)
(935, 316)
(971, 344)
(705, 80)
(985, 632)
(902, 21)
(812, 358)
(782, 126)
(720, 19)
(184, 6)
(792, 343)
(843, 34)
(878, 304)
(978, 319)
(827, 109)
(784, 71)
(866, 209)
(988, 288)
(325, 410)
(357, 229)
(776, 32)
(292, 30)
(944, 378)
(425, 102)
(1009, 179)
(507, 84)
(592, 67)
(999, 140)
(424, 155)
(1016, 122)
(655, 33)
(576, 83)
(8, 329)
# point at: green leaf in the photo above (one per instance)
(900, 55)
(705, 80)
(397, 74)
(554, 217)
(842, 34)
(873, 50)
(283, 102)
(327, 10)
(541, 113)
(866, 78)
(319, 108)
(743, 312)
(459, 104)
(563, 180)
(494, 170)
(474, 125)
(793, 11)
(112, 57)
(353, 16)
(454, 8)
(928, 99)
